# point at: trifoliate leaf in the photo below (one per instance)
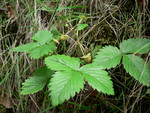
(42, 50)
(139, 45)
(108, 57)
(65, 84)
(43, 37)
(26, 47)
(81, 26)
(37, 50)
(98, 78)
(137, 68)
(37, 81)
(62, 62)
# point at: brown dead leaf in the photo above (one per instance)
(6, 101)
(34, 108)
(10, 13)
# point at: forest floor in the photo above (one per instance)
(108, 22)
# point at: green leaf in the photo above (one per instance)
(37, 81)
(148, 91)
(94, 51)
(62, 62)
(108, 57)
(98, 78)
(26, 47)
(69, 78)
(55, 33)
(38, 50)
(139, 45)
(137, 68)
(65, 84)
(81, 26)
(42, 50)
(43, 37)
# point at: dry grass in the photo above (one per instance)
(110, 22)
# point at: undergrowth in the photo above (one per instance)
(90, 38)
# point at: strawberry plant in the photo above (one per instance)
(44, 45)
(66, 77)
(69, 78)
(110, 56)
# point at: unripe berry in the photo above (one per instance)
(64, 37)
(87, 58)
